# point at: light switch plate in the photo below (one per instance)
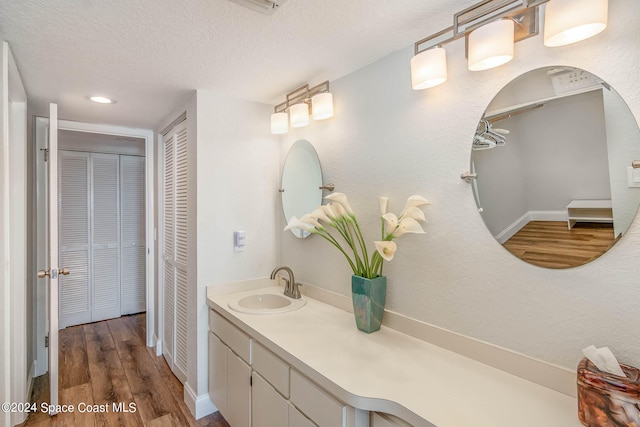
(239, 241)
(633, 177)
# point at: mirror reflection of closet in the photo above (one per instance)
(560, 191)
(301, 183)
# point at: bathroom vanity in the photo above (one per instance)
(311, 366)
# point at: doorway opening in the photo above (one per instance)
(106, 187)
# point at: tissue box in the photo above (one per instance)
(606, 400)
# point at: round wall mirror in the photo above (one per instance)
(301, 182)
(552, 159)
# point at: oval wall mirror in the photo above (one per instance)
(552, 156)
(301, 182)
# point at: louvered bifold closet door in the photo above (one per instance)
(175, 250)
(106, 236)
(181, 230)
(168, 271)
(74, 214)
(133, 252)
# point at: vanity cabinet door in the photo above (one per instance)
(238, 391)
(296, 419)
(321, 408)
(218, 373)
(268, 408)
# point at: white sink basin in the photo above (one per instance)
(266, 304)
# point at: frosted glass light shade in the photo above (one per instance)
(491, 45)
(299, 115)
(570, 21)
(429, 68)
(279, 123)
(322, 106)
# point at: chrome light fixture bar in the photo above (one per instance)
(492, 45)
(299, 103)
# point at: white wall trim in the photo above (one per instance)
(512, 229)
(548, 215)
(508, 232)
(158, 345)
(200, 406)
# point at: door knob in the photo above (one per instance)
(65, 271)
(43, 273)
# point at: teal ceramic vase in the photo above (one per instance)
(369, 296)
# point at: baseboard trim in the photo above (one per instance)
(200, 406)
(32, 373)
(552, 376)
(512, 229)
(158, 345)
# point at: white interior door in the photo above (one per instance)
(53, 270)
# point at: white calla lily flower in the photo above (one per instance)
(414, 201)
(386, 249)
(341, 199)
(384, 201)
(339, 210)
(309, 219)
(391, 220)
(415, 213)
(408, 225)
(321, 215)
(296, 223)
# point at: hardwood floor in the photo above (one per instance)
(551, 244)
(108, 364)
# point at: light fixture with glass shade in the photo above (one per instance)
(322, 106)
(299, 115)
(491, 45)
(279, 123)
(571, 21)
(491, 27)
(429, 68)
(299, 101)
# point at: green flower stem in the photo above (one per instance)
(327, 236)
(363, 247)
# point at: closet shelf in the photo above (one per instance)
(498, 114)
(589, 211)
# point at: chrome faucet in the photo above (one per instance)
(291, 290)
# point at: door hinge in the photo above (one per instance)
(250, 380)
(46, 154)
(46, 341)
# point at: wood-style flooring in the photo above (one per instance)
(108, 362)
(551, 244)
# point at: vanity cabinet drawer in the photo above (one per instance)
(271, 368)
(233, 337)
(321, 408)
(385, 420)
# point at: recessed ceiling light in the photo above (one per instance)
(101, 100)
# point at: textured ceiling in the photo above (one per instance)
(150, 54)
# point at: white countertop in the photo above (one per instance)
(391, 372)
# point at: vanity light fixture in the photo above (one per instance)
(299, 115)
(491, 45)
(570, 21)
(299, 102)
(279, 123)
(491, 27)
